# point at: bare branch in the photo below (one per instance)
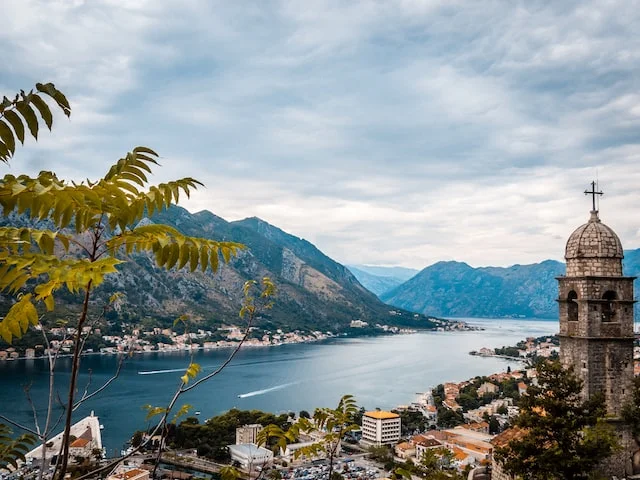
(86, 397)
(27, 393)
(224, 364)
(18, 425)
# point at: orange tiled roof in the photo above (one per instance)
(130, 473)
(429, 442)
(503, 439)
(459, 453)
(381, 415)
(79, 443)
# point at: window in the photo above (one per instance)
(572, 306)
(609, 306)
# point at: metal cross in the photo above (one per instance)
(593, 193)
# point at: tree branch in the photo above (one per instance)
(86, 397)
(18, 425)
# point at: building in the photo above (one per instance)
(380, 427)
(248, 433)
(500, 441)
(292, 452)
(596, 328)
(250, 456)
(487, 387)
(424, 443)
(83, 445)
(596, 323)
(405, 450)
(126, 473)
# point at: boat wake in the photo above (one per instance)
(266, 390)
(156, 372)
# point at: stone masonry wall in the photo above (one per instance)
(606, 267)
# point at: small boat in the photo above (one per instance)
(198, 412)
(101, 427)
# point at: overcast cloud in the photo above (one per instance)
(394, 133)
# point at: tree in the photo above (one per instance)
(304, 414)
(12, 450)
(137, 438)
(494, 425)
(274, 474)
(36, 263)
(332, 424)
(562, 436)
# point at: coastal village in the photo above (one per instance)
(459, 424)
(167, 340)
(462, 446)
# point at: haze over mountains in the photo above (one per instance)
(380, 280)
(455, 289)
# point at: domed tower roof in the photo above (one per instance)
(593, 240)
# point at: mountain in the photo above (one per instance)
(455, 289)
(380, 280)
(401, 273)
(314, 292)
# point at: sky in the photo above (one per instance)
(385, 132)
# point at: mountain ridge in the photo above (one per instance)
(455, 289)
(315, 293)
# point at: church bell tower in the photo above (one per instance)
(596, 313)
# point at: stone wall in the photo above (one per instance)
(497, 473)
(606, 267)
(605, 366)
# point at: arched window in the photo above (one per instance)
(572, 306)
(609, 306)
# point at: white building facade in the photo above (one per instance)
(381, 428)
(250, 456)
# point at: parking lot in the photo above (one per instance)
(348, 468)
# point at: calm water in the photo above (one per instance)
(380, 372)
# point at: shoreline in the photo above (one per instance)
(493, 355)
(343, 335)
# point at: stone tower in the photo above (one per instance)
(596, 314)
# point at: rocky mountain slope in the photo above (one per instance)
(454, 289)
(314, 292)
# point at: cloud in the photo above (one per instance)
(397, 132)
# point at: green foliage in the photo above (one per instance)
(21, 114)
(494, 425)
(434, 460)
(211, 438)
(13, 450)
(412, 422)
(332, 423)
(508, 352)
(448, 418)
(230, 473)
(382, 453)
(562, 436)
(468, 399)
(105, 215)
(137, 438)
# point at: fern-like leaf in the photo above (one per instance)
(27, 110)
(13, 450)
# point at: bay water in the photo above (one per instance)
(380, 372)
